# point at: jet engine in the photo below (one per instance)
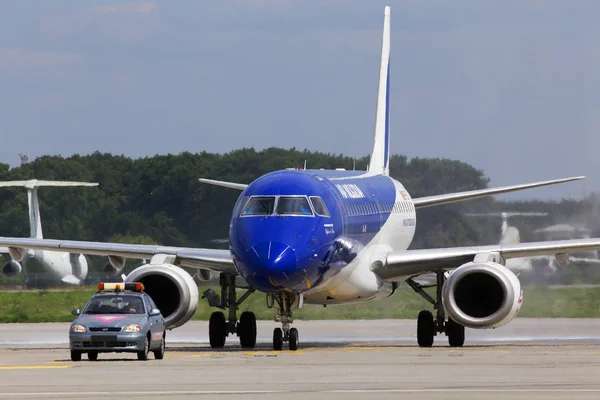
(11, 268)
(203, 275)
(172, 289)
(482, 295)
(114, 265)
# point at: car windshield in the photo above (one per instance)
(116, 304)
(259, 206)
(293, 206)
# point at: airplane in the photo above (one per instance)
(511, 234)
(330, 237)
(55, 268)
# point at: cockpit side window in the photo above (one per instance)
(293, 206)
(319, 206)
(259, 206)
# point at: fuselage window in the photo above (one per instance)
(319, 206)
(293, 206)
(259, 206)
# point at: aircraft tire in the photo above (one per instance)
(277, 339)
(456, 334)
(217, 330)
(92, 355)
(425, 331)
(293, 340)
(247, 330)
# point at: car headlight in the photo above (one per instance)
(133, 328)
(78, 328)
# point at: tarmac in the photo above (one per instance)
(527, 359)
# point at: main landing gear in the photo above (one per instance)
(218, 327)
(285, 303)
(427, 327)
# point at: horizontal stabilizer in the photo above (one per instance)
(34, 183)
(441, 199)
(231, 185)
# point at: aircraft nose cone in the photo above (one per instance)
(274, 257)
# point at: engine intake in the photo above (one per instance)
(172, 289)
(482, 295)
(11, 268)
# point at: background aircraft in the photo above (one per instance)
(510, 234)
(44, 267)
(331, 237)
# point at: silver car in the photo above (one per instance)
(116, 321)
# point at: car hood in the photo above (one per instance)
(112, 320)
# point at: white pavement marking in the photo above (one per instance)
(249, 392)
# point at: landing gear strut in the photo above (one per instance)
(218, 327)
(285, 303)
(427, 327)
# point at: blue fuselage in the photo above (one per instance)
(277, 247)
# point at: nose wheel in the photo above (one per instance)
(286, 333)
(279, 338)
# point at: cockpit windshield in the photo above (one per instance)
(319, 206)
(293, 206)
(259, 206)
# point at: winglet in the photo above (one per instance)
(231, 185)
(380, 158)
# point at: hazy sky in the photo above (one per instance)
(509, 86)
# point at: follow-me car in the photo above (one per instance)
(119, 318)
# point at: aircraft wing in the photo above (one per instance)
(441, 199)
(211, 259)
(400, 265)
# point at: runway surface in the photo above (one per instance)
(528, 359)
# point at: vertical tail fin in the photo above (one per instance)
(509, 234)
(35, 222)
(380, 158)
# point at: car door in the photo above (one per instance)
(151, 322)
(157, 321)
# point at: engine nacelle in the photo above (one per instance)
(203, 275)
(172, 289)
(117, 262)
(109, 269)
(17, 254)
(11, 268)
(482, 295)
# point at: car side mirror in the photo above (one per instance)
(76, 312)
(154, 311)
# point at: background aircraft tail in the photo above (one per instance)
(509, 234)
(380, 158)
(35, 222)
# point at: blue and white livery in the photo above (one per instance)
(330, 237)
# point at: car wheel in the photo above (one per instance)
(160, 353)
(75, 355)
(92, 355)
(143, 355)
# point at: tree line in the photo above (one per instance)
(159, 200)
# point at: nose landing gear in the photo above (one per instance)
(285, 303)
